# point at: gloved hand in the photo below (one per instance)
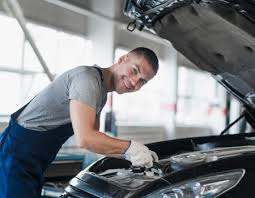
(139, 155)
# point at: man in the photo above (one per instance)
(70, 104)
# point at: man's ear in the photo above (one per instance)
(122, 58)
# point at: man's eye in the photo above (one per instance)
(135, 71)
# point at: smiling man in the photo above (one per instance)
(71, 104)
(132, 71)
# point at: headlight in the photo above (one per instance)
(202, 187)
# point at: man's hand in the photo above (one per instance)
(140, 155)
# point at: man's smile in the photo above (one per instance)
(127, 83)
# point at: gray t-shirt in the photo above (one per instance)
(50, 108)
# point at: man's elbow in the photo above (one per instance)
(85, 143)
(81, 143)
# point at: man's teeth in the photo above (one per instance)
(127, 84)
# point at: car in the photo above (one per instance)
(219, 37)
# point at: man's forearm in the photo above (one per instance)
(101, 143)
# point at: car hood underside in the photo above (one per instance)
(218, 36)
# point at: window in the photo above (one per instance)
(60, 50)
(201, 100)
(11, 94)
(11, 39)
(20, 68)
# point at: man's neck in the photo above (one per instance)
(107, 76)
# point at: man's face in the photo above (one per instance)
(133, 71)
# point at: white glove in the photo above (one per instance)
(139, 155)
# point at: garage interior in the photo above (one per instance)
(40, 39)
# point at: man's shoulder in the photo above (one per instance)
(79, 71)
(84, 74)
(82, 68)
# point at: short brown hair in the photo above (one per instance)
(149, 55)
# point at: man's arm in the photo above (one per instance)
(87, 136)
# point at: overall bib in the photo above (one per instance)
(24, 156)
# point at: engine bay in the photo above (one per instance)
(133, 178)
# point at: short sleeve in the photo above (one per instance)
(85, 88)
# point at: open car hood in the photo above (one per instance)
(217, 35)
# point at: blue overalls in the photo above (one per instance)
(24, 156)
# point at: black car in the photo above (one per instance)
(219, 37)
